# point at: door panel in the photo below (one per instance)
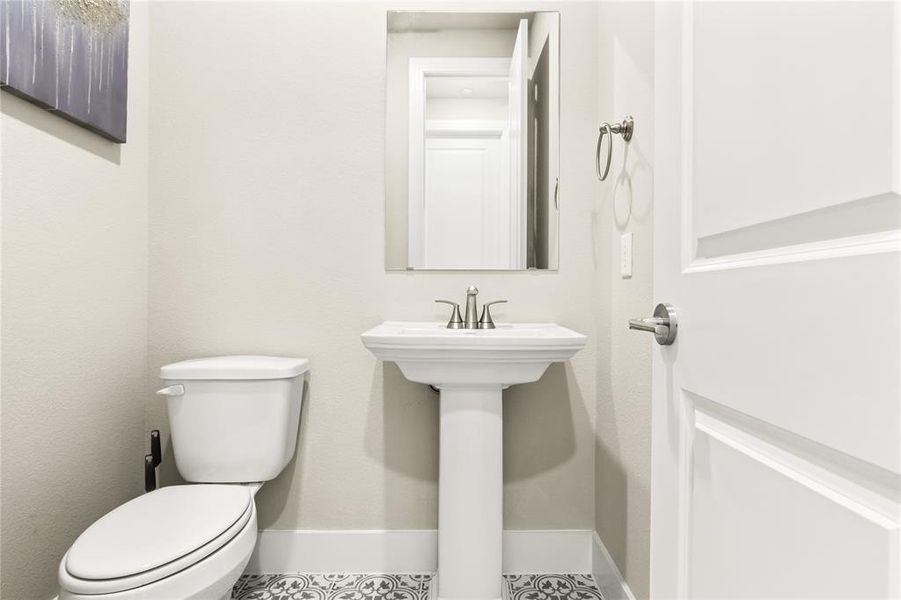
(465, 206)
(776, 412)
(747, 493)
(793, 108)
(809, 346)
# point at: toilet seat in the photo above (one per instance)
(155, 536)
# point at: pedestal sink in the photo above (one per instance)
(471, 368)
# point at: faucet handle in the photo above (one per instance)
(456, 321)
(485, 321)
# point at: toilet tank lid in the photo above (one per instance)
(236, 367)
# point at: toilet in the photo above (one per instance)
(234, 423)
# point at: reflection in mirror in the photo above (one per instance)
(471, 168)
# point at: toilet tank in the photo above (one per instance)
(234, 418)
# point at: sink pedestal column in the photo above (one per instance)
(470, 493)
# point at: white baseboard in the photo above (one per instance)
(416, 551)
(411, 551)
(606, 573)
(547, 551)
(353, 551)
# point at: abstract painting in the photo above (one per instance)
(69, 56)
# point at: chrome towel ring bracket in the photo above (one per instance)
(625, 129)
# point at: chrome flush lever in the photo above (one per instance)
(173, 390)
(663, 324)
(485, 321)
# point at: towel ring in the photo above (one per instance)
(625, 129)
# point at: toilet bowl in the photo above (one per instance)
(233, 419)
(190, 541)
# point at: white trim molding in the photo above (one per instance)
(412, 551)
(344, 551)
(606, 573)
(547, 551)
(440, 128)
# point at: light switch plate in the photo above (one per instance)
(625, 255)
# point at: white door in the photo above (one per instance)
(776, 411)
(464, 204)
(518, 114)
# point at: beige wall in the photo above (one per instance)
(267, 212)
(74, 326)
(623, 438)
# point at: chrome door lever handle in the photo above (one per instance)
(663, 324)
(651, 324)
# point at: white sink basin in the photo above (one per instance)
(471, 367)
(511, 353)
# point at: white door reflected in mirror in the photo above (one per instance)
(472, 135)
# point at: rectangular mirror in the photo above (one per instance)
(473, 120)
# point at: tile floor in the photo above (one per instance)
(552, 587)
(334, 586)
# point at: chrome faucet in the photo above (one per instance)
(469, 315)
(469, 320)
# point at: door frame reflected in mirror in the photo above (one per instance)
(421, 130)
(508, 220)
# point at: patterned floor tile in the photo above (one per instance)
(332, 586)
(552, 587)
